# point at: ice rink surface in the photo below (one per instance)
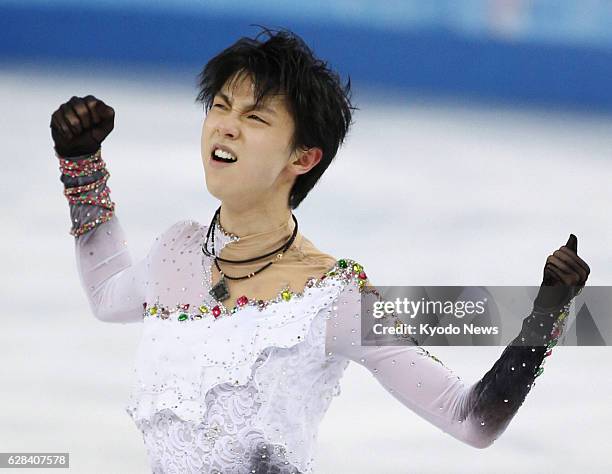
(425, 192)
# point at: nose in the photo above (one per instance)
(228, 127)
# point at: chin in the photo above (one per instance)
(224, 193)
(215, 190)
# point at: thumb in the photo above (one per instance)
(107, 116)
(572, 243)
(104, 111)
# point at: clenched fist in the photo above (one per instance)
(564, 274)
(79, 126)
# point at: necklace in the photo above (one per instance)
(221, 290)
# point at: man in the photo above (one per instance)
(276, 116)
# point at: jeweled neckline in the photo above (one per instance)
(343, 270)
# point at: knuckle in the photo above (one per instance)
(81, 109)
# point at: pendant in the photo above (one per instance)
(220, 291)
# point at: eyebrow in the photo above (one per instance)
(263, 108)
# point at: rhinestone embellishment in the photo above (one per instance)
(344, 270)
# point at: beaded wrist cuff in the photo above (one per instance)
(70, 182)
(90, 202)
(83, 167)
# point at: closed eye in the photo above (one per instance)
(256, 117)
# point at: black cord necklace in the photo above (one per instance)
(221, 290)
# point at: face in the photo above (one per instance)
(263, 167)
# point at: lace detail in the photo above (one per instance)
(243, 392)
(271, 420)
(224, 443)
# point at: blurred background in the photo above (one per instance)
(483, 138)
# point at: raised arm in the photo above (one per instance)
(113, 283)
(476, 414)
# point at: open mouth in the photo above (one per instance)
(223, 156)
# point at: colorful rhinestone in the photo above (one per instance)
(345, 270)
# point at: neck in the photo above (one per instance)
(253, 220)
(259, 231)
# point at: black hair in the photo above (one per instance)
(283, 64)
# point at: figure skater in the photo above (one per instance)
(247, 326)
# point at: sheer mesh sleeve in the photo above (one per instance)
(114, 284)
(476, 414)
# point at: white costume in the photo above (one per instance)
(245, 390)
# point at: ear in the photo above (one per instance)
(305, 160)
